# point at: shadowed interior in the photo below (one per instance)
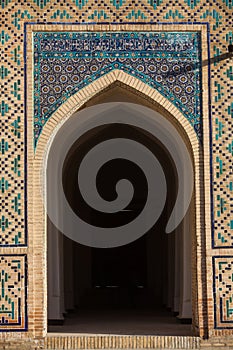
(129, 289)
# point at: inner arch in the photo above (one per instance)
(93, 259)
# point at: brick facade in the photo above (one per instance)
(208, 134)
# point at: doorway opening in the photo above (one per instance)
(144, 287)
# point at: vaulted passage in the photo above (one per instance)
(125, 290)
(143, 287)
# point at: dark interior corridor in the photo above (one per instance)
(128, 289)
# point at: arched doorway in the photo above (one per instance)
(164, 275)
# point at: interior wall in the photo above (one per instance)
(82, 271)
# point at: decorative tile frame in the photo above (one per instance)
(73, 103)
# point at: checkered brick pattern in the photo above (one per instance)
(223, 290)
(13, 292)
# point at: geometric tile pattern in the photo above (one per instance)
(223, 291)
(66, 62)
(12, 218)
(222, 112)
(13, 16)
(13, 294)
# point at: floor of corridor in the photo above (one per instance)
(122, 322)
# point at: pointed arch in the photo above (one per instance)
(37, 215)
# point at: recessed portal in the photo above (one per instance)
(143, 287)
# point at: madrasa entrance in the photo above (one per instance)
(144, 287)
(59, 60)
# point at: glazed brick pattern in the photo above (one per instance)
(223, 290)
(13, 302)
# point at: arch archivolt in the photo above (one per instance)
(37, 215)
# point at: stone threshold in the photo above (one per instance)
(58, 341)
(53, 341)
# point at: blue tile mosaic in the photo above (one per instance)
(66, 62)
